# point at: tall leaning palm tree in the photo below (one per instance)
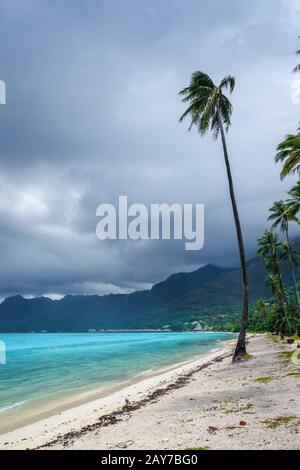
(288, 152)
(209, 108)
(281, 215)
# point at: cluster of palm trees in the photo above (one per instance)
(275, 251)
(276, 254)
(210, 109)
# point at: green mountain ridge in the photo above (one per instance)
(202, 295)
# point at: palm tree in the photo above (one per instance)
(261, 310)
(289, 253)
(268, 249)
(282, 214)
(280, 322)
(273, 281)
(294, 201)
(209, 108)
(288, 151)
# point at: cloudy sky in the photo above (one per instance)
(92, 113)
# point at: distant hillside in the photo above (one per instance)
(203, 295)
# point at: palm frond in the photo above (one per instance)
(296, 69)
(291, 165)
(208, 113)
(205, 100)
(226, 111)
(228, 83)
(215, 127)
(288, 252)
(202, 79)
(294, 201)
(195, 110)
(281, 213)
(288, 151)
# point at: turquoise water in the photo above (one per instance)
(42, 367)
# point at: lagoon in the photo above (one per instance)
(45, 368)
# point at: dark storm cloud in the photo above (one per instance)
(92, 113)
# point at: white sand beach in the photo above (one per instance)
(208, 403)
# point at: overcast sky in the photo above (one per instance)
(92, 113)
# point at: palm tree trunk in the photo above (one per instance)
(293, 270)
(281, 297)
(240, 349)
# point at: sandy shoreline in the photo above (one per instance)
(204, 403)
(17, 418)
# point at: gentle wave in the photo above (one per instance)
(144, 372)
(3, 409)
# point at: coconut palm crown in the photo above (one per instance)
(288, 152)
(281, 215)
(206, 101)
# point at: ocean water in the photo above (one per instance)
(45, 367)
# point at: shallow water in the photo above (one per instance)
(43, 367)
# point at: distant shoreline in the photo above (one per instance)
(115, 331)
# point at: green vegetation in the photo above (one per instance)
(238, 409)
(288, 151)
(293, 374)
(274, 423)
(281, 314)
(230, 407)
(287, 355)
(262, 379)
(210, 296)
(248, 357)
(282, 213)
